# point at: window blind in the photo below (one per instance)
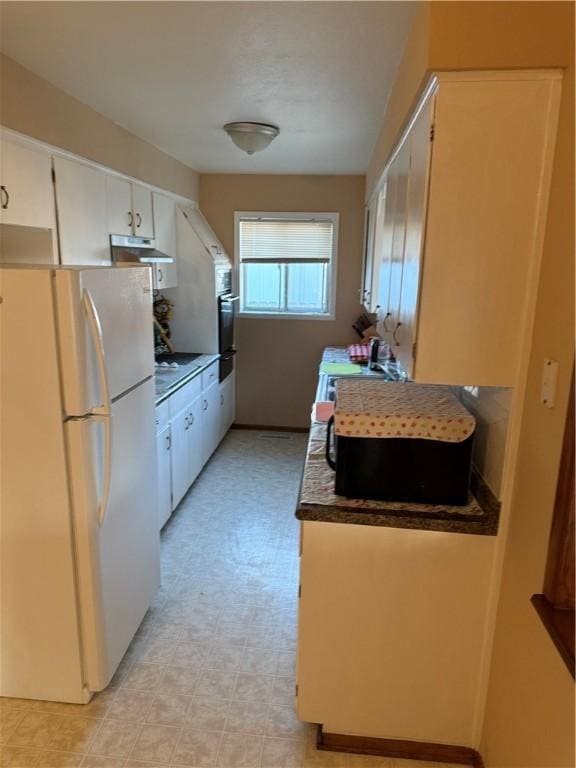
(285, 241)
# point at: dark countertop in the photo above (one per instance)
(168, 380)
(318, 502)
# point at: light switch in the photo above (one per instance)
(549, 380)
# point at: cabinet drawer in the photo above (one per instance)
(210, 375)
(162, 415)
(184, 396)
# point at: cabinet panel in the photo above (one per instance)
(180, 463)
(419, 142)
(119, 206)
(27, 190)
(489, 179)
(195, 455)
(383, 249)
(164, 463)
(166, 275)
(226, 404)
(142, 209)
(210, 421)
(82, 213)
(399, 169)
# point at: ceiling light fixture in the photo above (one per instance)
(251, 137)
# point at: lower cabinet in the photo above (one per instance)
(190, 425)
(226, 404)
(164, 461)
(210, 420)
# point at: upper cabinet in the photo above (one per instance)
(456, 224)
(164, 209)
(82, 213)
(26, 191)
(129, 208)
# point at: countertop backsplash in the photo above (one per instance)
(491, 407)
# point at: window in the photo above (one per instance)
(287, 263)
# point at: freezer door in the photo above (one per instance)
(105, 330)
(117, 544)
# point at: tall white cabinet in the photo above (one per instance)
(458, 225)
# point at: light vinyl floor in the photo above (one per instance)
(208, 681)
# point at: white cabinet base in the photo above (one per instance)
(391, 638)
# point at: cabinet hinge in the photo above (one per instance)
(296, 689)
(432, 130)
(300, 590)
(414, 350)
(53, 173)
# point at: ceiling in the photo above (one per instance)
(174, 72)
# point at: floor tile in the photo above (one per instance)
(197, 748)
(34, 730)
(19, 757)
(253, 687)
(216, 684)
(115, 739)
(240, 751)
(207, 714)
(247, 717)
(155, 743)
(74, 734)
(130, 705)
(282, 722)
(168, 709)
(58, 759)
(282, 753)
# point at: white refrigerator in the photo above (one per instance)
(79, 542)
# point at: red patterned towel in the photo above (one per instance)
(359, 353)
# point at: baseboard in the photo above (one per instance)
(402, 748)
(268, 428)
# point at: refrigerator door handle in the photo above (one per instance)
(107, 464)
(96, 334)
(103, 411)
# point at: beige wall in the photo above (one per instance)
(33, 106)
(529, 720)
(278, 360)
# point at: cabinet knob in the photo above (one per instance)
(205, 405)
(385, 323)
(191, 419)
(138, 220)
(130, 219)
(394, 334)
(168, 442)
(160, 275)
(4, 197)
(186, 422)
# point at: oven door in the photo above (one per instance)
(226, 364)
(226, 310)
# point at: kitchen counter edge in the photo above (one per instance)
(179, 383)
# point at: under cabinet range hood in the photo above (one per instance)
(138, 250)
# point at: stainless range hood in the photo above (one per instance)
(138, 250)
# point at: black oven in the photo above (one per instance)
(226, 311)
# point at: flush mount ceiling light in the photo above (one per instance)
(251, 137)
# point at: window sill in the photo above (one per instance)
(560, 626)
(283, 316)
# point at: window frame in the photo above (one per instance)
(332, 266)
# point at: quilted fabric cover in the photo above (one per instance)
(366, 408)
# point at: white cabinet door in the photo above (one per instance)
(384, 242)
(195, 461)
(142, 209)
(164, 463)
(210, 420)
(226, 404)
(400, 169)
(180, 462)
(27, 193)
(420, 145)
(165, 235)
(82, 214)
(119, 206)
